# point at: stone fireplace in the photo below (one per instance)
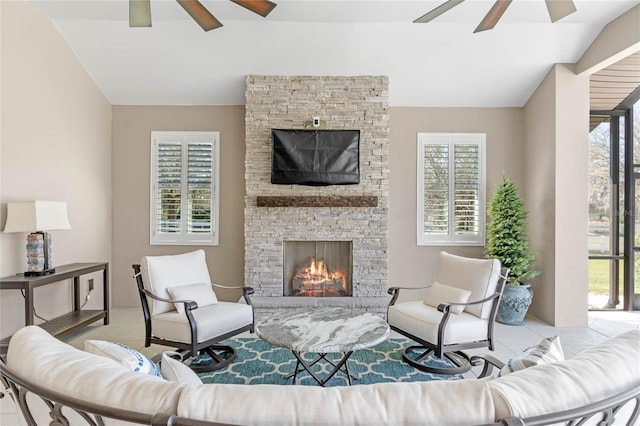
(276, 215)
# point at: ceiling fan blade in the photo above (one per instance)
(200, 14)
(558, 9)
(261, 7)
(433, 14)
(139, 13)
(493, 16)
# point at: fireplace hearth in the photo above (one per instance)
(317, 268)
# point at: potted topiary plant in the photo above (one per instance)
(508, 241)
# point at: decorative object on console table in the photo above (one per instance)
(37, 217)
(508, 241)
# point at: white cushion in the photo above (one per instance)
(437, 402)
(547, 351)
(211, 321)
(594, 374)
(438, 293)
(160, 272)
(422, 321)
(201, 293)
(176, 371)
(479, 276)
(44, 360)
(123, 354)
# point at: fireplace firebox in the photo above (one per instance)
(318, 268)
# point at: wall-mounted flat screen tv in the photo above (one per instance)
(315, 157)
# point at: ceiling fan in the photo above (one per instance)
(558, 9)
(140, 12)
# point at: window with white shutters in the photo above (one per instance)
(184, 188)
(451, 189)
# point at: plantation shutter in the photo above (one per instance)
(199, 178)
(169, 187)
(436, 189)
(466, 189)
(184, 188)
(451, 194)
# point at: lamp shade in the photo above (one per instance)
(31, 216)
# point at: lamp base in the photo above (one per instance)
(39, 273)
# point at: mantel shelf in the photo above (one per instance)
(318, 201)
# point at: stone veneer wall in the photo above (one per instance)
(288, 102)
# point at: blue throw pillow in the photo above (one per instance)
(123, 354)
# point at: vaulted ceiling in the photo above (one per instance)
(441, 63)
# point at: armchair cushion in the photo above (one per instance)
(547, 351)
(438, 293)
(423, 321)
(211, 321)
(160, 272)
(479, 276)
(201, 293)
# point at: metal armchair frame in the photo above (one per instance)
(222, 355)
(453, 351)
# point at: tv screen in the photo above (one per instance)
(315, 157)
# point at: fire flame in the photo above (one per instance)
(316, 273)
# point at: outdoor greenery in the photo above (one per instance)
(507, 238)
(599, 276)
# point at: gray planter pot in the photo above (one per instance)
(514, 304)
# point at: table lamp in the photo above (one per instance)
(36, 217)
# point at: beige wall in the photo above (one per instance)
(556, 118)
(413, 265)
(56, 145)
(408, 263)
(540, 176)
(572, 208)
(132, 128)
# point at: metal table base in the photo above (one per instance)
(340, 366)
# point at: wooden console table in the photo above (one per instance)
(71, 321)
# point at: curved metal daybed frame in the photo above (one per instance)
(607, 409)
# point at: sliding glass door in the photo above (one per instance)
(614, 188)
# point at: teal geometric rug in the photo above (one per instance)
(260, 362)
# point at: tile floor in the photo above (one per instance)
(127, 327)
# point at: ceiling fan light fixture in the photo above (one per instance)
(559, 9)
(139, 13)
(493, 16)
(434, 13)
(260, 7)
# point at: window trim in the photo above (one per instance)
(451, 239)
(183, 237)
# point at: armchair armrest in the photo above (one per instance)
(395, 292)
(246, 291)
(445, 306)
(489, 362)
(188, 304)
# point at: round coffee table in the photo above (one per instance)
(323, 331)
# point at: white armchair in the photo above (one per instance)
(458, 313)
(181, 309)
